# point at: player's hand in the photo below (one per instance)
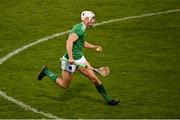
(71, 61)
(98, 49)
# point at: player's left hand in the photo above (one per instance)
(71, 61)
(98, 49)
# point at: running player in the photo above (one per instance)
(74, 45)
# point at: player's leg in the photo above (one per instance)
(94, 79)
(67, 72)
(98, 84)
(63, 81)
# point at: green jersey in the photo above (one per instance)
(78, 45)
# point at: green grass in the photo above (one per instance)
(143, 55)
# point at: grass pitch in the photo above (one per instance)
(143, 55)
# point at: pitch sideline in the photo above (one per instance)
(11, 54)
(26, 107)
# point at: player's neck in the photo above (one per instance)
(84, 24)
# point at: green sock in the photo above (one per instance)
(102, 91)
(51, 75)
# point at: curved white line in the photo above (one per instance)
(27, 107)
(138, 16)
(11, 54)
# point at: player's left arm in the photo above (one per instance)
(94, 47)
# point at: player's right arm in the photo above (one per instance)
(69, 45)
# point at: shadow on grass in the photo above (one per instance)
(73, 92)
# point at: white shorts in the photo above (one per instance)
(65, 65)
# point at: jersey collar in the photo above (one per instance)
(83, 25)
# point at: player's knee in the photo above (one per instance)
(95, 80)
(63, 83)
(92, 78)
(65, 86)
(67, 83)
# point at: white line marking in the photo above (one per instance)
(138, 16)
(26, 107)
(11, 54)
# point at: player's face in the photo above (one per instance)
(92, 22)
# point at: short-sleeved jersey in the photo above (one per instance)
(78, 45)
